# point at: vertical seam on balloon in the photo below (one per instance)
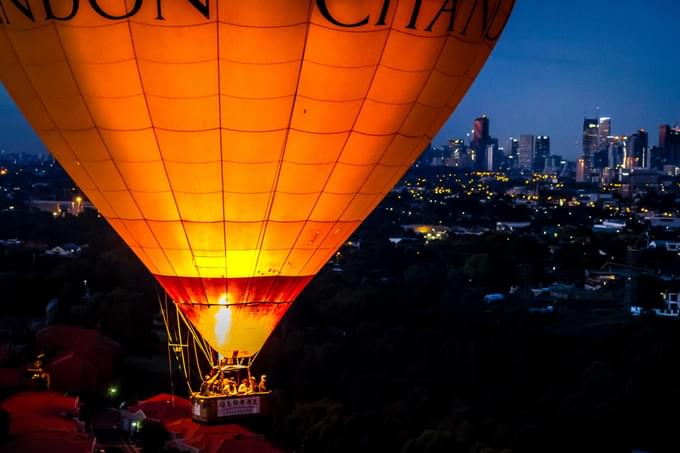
(263, 228)
(106, 147)
(460, 86)
(405, 165)
(354, 196)
(349, 134)
(167, 176)
(58, 129)
(219, 114)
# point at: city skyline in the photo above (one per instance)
(552, 69)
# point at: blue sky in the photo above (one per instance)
(560, 59)
(556, 61)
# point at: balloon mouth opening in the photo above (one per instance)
(216, 291)
(235, 330)
(235, 316)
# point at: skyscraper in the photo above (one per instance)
(525, 152)
(638, 147)
(616, 151)
(458, 154)
(510, 155)
(492, 158)
(554, 164)
(541, 152)
(590, 142)
(481, 139)
(669, 142)
(480, 131)
(514, 147)
(604, 130)
(581, 170)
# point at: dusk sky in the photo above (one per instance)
(560, 59)
(555, 62)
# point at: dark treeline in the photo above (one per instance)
(397, 353)
(104, 286)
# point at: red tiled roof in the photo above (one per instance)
(161, 408)
(208, 438)
(84, 360)
(76, 338)
(221, 438)
(72, 372)
(43, 421)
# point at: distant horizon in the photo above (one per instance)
(550, 70)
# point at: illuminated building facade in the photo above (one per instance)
(581, 170)
(541, 152)
(525, 152)
(638, 149)
(604, 130)
(591, 137)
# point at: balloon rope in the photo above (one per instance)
(163, 304)
(181, 350)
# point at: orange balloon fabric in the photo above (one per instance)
(235, 145)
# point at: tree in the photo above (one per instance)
(153, 436)
(476, 268)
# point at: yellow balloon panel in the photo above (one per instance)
(236, 145)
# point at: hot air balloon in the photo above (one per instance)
(236, 145)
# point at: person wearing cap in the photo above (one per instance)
(262, 386)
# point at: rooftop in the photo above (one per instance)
(44, 421)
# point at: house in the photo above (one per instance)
(512, 226)
(195, 438)
(81, 360)
(188, 436)
(663, 222)
(671, 246)
(45, 421)
(65, 250)
(162, 408)
(671, 307)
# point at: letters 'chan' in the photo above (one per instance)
(235, 145)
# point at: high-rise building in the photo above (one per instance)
(510, 155)
(581, 170)
(638, 148)
(616, 151)
(669, 142)
(541, 152)
(590, 142)
(654, 158)
(491, 158)
(604, 131)
(480, 133)
(525, 152)
(554, 164)
(481, 139)
(459, 156)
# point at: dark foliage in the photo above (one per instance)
(397, 353)
(153, 436)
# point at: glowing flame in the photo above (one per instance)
(222, 325)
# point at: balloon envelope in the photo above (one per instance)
(235, 145)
